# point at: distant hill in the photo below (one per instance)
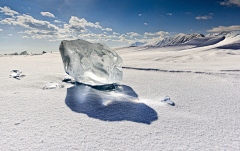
(138, 43)
(178, 39)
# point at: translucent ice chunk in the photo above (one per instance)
(89, 63)
(15, 74)
(168, 100)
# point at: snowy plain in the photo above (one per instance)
(202, 79)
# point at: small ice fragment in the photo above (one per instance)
(68, 79)
(168, 100)
(15, 74)
(52, 86)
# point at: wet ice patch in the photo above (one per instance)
(52, 86)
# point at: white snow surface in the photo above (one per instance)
(203, 82)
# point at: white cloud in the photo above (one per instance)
(8, 21)
(47, 14)
(38, 29)
(29, 22)
(123, 36)
(224, 28)
(108, 29)
(132, 34)
(10, 34)
(170, 14)
(7, 11)
(75, 28)
(140, 15)
(78, 25)
(1, 29)
(230, 2)
(57, 21)
(92, 35)
(40, 32)
(115, 33)
(206, 17)
(188, 13)
(156, 33)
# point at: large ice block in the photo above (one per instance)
(91, 63)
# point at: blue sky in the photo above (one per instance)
(40, 25)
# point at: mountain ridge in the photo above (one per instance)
(184, 38)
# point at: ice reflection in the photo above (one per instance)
(109, 103)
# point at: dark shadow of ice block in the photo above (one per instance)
(109, 103)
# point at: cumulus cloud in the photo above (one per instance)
(57, 21)
(206, 17)
(39, 32)
(170, 14)
(47, 14)
(139, 14)
(108, 29)
(7, 11)
(224, 28)
(132, 34)
(156, 33)
(8, 21)
(78, 25)
(230, 3)
(75, 28)
(38, 28)
(92, 35)
(29, 22)
(1, 29)
(123, 36)
(116, 33)
(44, 29)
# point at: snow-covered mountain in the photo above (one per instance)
(223, 33)
(178, 39)
(192, 39)
(223, 40)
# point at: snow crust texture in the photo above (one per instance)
(92, 64)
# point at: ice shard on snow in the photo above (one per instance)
(91, 63)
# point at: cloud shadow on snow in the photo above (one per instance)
(112, 103)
